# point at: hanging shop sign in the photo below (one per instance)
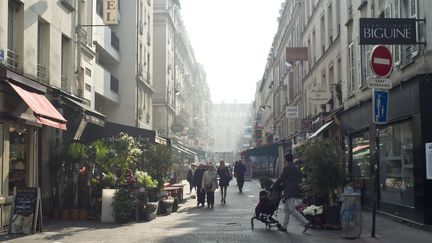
(319, 97)
(388, 31)
(307, 125)
(296, 54)
(110, 11)
(247, 131)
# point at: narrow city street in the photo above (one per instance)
(224, 223)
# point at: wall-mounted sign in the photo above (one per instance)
(380, 100)
(319, 97)
(388, 31)
(292, 112)
(110, 11)
(177, 128)
(379, 83)
(296, 54)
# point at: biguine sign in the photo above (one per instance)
(387, 31)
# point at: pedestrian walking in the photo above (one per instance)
(290, 180)
(239, 170)
(224, 179)
(210, 184)
(189, 177)
(197, 180)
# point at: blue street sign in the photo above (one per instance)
(380, 99)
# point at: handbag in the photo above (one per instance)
(208, 186)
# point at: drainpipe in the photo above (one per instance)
(78, 72)
(136, 66)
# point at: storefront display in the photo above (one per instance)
(18, 157)
(396, 164)
(360, 155)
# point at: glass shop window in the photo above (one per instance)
(360, 145)
(396, 164)
(18, 157)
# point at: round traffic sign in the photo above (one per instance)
(381, 61)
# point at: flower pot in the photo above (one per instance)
(56, 213)
(82, 214)
(150, 211)
(64, 214)
(73, 214)
(165, 206)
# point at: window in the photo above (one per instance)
(43, 51)
(65, 59)
(396, 164)
(88, 87)
(115, 42)
(412, 50)
(88, 72)
(114, 85)
(99, 8)
(330, 23)
(12, 39)
(361, 151)
(322, 32)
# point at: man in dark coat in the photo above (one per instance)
(197, 180)
(290, 180)
(189, 177)
(239, 170)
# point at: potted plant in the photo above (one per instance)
(150, 211)
(324, 175)
(166, 206)
(123, 205)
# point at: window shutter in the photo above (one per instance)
(412, 12)
(368, 67)
(360, 68)
(357, 64)
(397, 49)
(351, 68)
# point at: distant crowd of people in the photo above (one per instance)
(204, 180)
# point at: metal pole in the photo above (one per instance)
(375, 181)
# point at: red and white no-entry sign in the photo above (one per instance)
(381, 61)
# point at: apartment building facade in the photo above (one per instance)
(124, 64)
(181, 103)
(337, 64)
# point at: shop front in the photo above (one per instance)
(24, 112)
(401, 185)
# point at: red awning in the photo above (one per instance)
(44, 111)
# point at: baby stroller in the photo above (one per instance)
(268, 204)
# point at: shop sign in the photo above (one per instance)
(429, 161)
(296, 54)
(319, 97)
(110, 11)
(388, 31)
(292, 112)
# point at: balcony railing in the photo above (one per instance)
(12, 59)
(42, 73)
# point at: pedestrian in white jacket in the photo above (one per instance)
(210, 184)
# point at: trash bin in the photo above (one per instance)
(350, 215)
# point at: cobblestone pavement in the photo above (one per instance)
(224, 223)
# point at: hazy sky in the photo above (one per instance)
(231, 38)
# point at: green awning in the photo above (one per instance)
(271, 149)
